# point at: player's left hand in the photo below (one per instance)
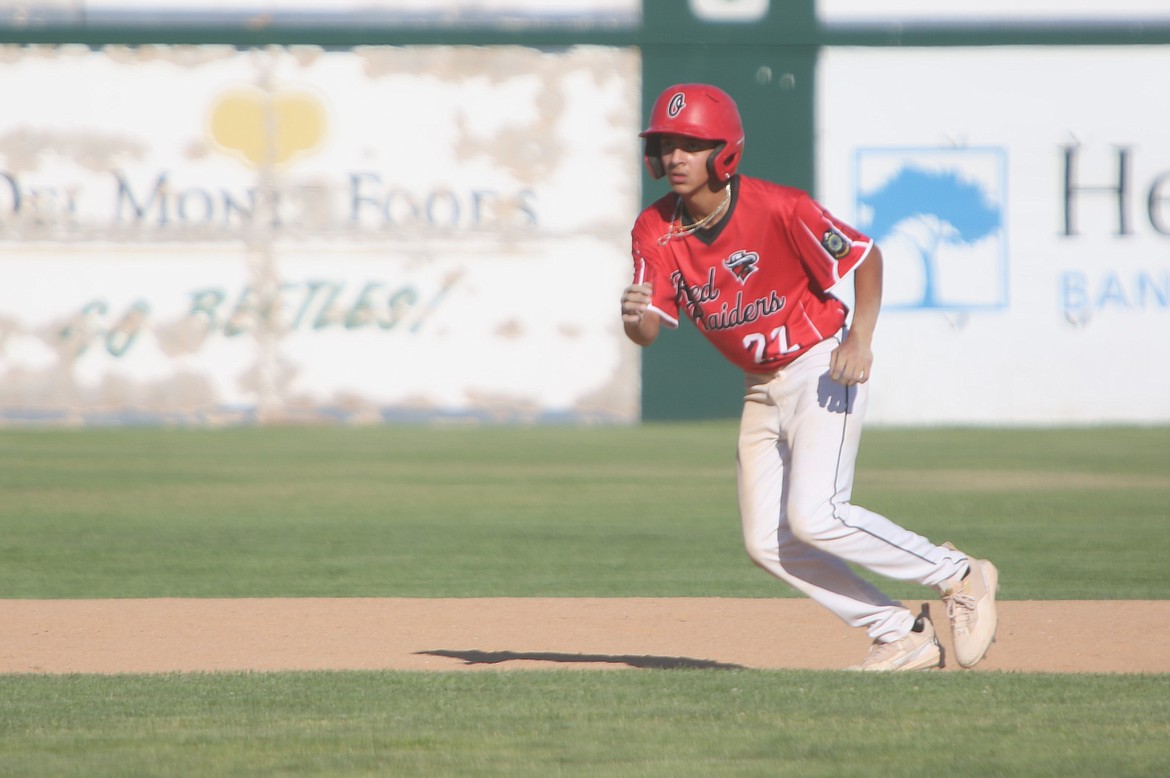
(851, 362)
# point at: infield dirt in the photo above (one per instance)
(212, 635)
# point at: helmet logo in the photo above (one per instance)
(677, 103)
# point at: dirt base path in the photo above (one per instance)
(183, 635)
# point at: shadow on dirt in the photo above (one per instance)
(474, 657)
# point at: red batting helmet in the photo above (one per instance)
(696, 111)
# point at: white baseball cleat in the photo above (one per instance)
(916, 651)
(970, 602)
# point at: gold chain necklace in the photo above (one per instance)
(681, 232)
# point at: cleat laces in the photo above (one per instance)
(960, 610)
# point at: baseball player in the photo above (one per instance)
(754, 265)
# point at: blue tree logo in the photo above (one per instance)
(924, 209)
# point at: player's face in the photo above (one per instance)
(685, 162)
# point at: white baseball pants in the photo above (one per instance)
(798, 443)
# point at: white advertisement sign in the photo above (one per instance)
(200, 234)
(1022, 200)
(308, 13)
(966, 11)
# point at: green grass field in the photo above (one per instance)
(561, 511)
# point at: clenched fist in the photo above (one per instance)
(635, 300)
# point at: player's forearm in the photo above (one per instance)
(867, 287)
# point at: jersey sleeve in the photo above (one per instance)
(829, 248)
(651, 268)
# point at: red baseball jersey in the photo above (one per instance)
(759, 285)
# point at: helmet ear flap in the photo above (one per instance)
(652, 153)
(718, 169)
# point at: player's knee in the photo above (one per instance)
(756, 553)
(762, 551)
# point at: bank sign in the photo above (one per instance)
(1022, 201)
(201, 234)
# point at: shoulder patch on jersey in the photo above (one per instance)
(836, 244)
(742, 264)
